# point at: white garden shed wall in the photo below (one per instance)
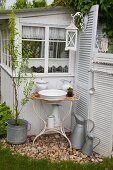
(44, 18)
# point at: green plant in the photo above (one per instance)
(19, 63)
(20, 4)
(39, 3)
(5, 115)
(105, 11)
(69, 91)
(2, 4)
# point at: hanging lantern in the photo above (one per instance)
(71, 37)
(71, 34)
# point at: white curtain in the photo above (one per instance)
(57, 34)
(33, 32)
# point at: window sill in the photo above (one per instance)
(8, 70)
(51, 75)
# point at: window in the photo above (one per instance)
(58, 57)
(4, 40)
(34, 39)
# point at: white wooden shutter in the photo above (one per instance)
(86, 47)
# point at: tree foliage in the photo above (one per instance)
(2, 4)
(105, 10)
(21, 4)
(39, 3)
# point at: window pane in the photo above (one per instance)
(5, 56)
(71, 39)
(58, 57)
(36, 48)
(32, 32)
(57, 34)
(57, 50)
(58, 66)
(36, 60)
(34, 40)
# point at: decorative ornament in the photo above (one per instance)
(104, 44)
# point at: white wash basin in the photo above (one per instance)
(52, 94)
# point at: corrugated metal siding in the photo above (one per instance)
(86, 45)
(102, 111)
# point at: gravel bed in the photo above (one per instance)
(53, 147)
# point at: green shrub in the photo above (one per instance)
(39, 3)
(5, 115)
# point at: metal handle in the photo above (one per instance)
(93, 124)
(29, 127)
(97, 143)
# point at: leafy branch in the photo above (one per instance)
(105, 11)
(19, 64)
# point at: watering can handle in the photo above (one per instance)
(29, 127)
(97, 143)
(93, 125)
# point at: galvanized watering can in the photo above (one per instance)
(88, 146)
(79, 133)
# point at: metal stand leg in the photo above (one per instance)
(64, 134)
(59, 127)
(41, 133)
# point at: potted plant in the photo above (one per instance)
(70, 92)
(17, 128)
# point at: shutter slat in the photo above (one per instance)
(84, 53)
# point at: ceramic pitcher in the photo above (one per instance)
(66, 84)
(41, 85)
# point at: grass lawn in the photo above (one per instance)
(8, 161)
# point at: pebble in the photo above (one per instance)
(53, 147)
(57, 136)
(92, 159)
(83, 156)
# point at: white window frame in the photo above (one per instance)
(46, 57)
(5, 58)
